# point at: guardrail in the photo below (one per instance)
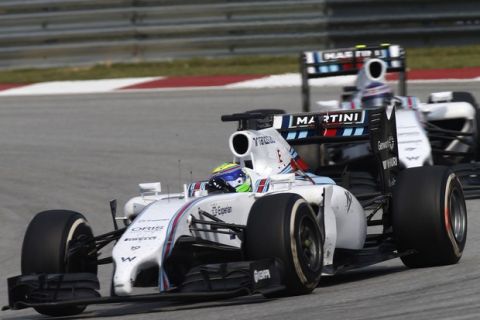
(42, 33)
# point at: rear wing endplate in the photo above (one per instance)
(349, 61)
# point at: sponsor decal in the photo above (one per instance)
(133, 248)
(140, 239)
(413, 158)
(330, 118)
(390, 163)
(347, 117)
(151, 220)
(392, 181)
(219, 210)
(348, 195)
(259, 275)
(263, 140)
(388, 144)
(408, 133)
(147, 229)
(303, 121)
(411, 141)
(349, 54)
(129, 259)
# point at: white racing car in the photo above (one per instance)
(445, 130)
(277, 237)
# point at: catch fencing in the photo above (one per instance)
(45, 33)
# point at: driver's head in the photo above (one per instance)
(234, 176)
(376, 94)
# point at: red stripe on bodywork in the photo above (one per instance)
(301, 164)
(261, 185)
(330, 132)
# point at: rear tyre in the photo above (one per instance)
(429, 216)
(284, 226)
(45, 250)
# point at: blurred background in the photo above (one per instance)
(268, 34)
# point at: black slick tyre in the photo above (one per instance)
(284, 226)
(429, 216)
(45, 250)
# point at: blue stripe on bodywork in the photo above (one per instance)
(287, 169)
(386, 53)
(170, 236)
(316, 59)
(358, 132)
(347, 131)
(334, 68)
(291, 135)
(302, 134)
(285, 122)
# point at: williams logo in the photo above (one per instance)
(129, 259)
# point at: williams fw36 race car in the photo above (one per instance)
(445, 130)
(263, 224)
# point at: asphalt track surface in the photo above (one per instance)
(80, 151)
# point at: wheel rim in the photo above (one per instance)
(82, 259)
(309, 241)
(457, 215)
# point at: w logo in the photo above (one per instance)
(129, 259)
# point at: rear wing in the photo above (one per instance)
(369, 125)
(349, 61)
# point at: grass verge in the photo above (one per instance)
(418, 58)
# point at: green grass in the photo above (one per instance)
(447, 57)
(428, 58)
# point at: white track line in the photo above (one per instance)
(73, 87)
(110, 85)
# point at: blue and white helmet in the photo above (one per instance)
(234, 176)
(376, 94)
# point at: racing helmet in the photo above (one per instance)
(234, 176)
(376, 94)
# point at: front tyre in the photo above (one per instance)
(284, 226)
(46, 245)
(429, 216)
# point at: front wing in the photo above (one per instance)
(206, 282)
